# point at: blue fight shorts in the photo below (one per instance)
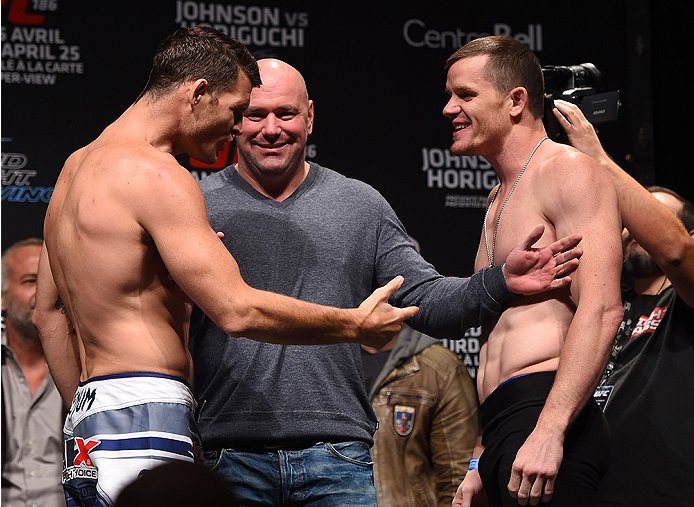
(120, 426)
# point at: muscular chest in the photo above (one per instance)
(508, 221)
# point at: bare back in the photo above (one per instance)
(555, 191)
(128, 314)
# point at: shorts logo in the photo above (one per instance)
(83, 448)
(403, 420)
(77, 465)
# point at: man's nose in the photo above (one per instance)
(271, 126)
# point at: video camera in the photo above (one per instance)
(577, 84)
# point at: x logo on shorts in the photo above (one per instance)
(84, 448)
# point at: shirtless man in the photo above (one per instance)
(128, 247)
(542, 358)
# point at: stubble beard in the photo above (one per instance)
(641, 265)
(21, 320)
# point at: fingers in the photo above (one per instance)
(392, 286)
(561, 117)
(514, 484)
(462, 498)
(389, 289)
(408, 312)
(566, 268)
(548, 491)
(536, 492)
(567, 257)
(565, 243)
(384, 293)
(458, 498)
(567, 110)
(528, 491)
(532, 238)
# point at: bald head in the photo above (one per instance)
(275, 129)
(279, 75)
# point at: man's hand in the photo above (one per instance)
(379, 321)
(530, 270)
(470, 493)
(579, 130)
(535, 468)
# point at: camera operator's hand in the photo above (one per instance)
(579, 130)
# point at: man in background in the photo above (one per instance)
(647, 391)
(32, 411)
(426, 405)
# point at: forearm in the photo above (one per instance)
(270, 317)
(657, 229)
(450, 306)
(57, 335)
(453, 436)
(274, 318)
(646, 218)
(62, 357)
(583, 359)
(650, 222)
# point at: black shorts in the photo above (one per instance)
(510, 414)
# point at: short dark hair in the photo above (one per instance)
(200, 53)
(509, 64)
(686, 213)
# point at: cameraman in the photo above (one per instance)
(647, 391)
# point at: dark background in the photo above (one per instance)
(378, 99)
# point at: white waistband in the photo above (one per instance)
(112, 392)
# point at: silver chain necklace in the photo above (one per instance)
(490, 255)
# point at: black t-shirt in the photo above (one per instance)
(372, 365)
(647, 394)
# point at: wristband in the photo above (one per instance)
(473, 463)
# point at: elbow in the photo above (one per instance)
(612, 318)
(239, 321)
(38, 318)
(234, 326)
(672, 253)
(676, 257)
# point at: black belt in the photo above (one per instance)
(264, 447)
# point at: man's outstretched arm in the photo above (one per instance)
(649, 221)
(207, 272)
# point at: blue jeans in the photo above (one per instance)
(325, 475)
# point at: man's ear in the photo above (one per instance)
(311, 117)
(519, 100)
(197, 89)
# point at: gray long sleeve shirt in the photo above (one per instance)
(332, 242)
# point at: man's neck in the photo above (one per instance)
(651, 285)
(513, 152)
(28, 352)
(277, 188)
